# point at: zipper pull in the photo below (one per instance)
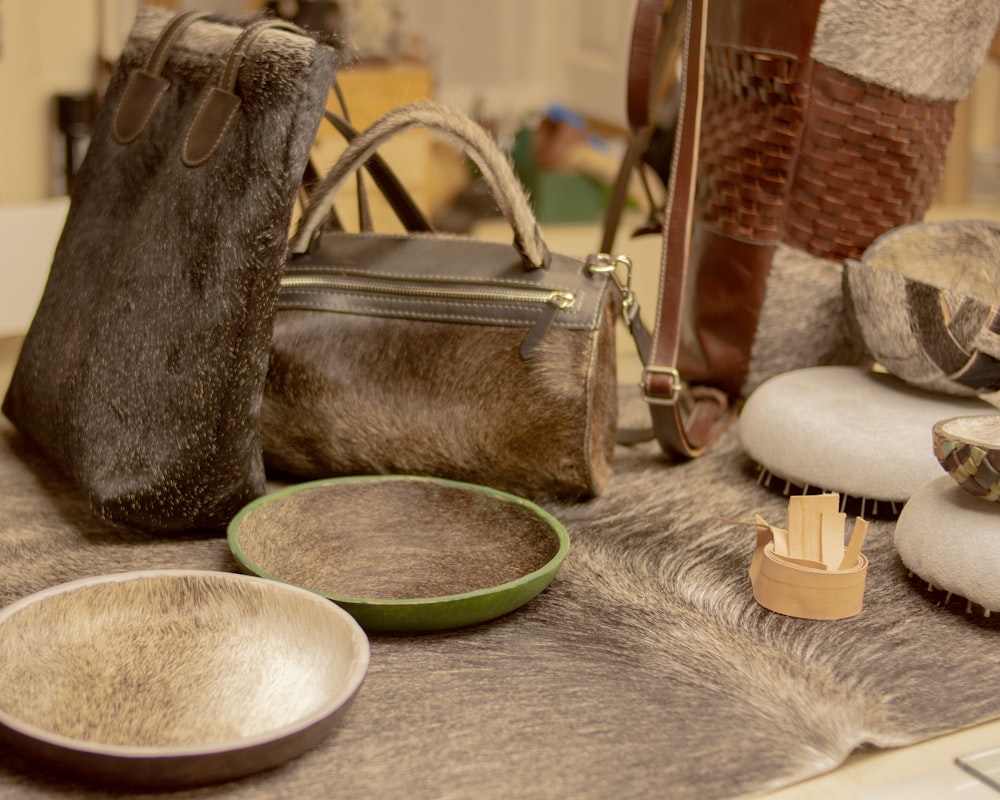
(556, 302)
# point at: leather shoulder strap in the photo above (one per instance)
(646, 29)
(651, 48)
(685, 419)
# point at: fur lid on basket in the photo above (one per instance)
(932, 50)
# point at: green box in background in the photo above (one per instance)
(557, 196)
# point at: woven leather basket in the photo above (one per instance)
(812, 143)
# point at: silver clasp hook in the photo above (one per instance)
(606, 264)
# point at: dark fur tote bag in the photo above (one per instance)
(142, 373)
(441, 355)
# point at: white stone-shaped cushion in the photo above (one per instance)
(951, 539)
(848, 430)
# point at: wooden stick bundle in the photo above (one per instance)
(805, 570)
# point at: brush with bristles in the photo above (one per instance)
(847, 430)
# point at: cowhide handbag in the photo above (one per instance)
(804, 131)
(142, 372)
(441, 355)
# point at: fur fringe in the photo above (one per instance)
(931, 49)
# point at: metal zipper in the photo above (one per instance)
(552, 301)
(344, 283)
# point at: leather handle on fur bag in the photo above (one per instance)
(219, 102)
(146, 86)
(471, 138)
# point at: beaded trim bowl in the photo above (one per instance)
(969, 450)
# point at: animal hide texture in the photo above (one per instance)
(923, 299)
(929, 50)
(143, 370)
(645, 670)
(439, 355)
(349, 394)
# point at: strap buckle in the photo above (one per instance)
(676, 385)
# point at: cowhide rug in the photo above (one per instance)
(645, 670)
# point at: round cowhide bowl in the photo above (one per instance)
(969, 450)
(924, 302)
(403, 553)
(172, 678)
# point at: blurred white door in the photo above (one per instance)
(518, 56)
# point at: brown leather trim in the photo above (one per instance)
(762, 25)
(211, 121)
(146, 86)
(645, 32)
(219, 103)
(687, 427)
(728, 293)
(139, 100)
(686, 419)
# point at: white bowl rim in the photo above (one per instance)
(359, 667)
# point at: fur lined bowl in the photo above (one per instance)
(403, 553)
(925, 301)
(969, 450)
(174, 678)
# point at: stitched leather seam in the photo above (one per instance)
(205, 97)
(115, 125)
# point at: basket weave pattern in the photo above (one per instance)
(825, 166)
(751, 120)
(871, 160)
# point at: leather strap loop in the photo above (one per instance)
(237, 53)
(652, 55)
(646, 30)
(146, 86)
(219, 102)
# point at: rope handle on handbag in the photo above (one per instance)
(470, 137)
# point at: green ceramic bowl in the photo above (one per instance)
(403, 554)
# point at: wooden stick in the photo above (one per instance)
(832, 538)
(811, 530)
(796, 541)
(853, 551)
